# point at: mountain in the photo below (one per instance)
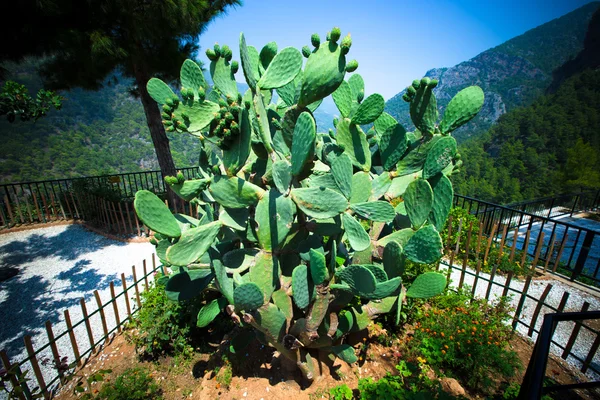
(511, 75)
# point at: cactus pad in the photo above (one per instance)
(345, 352)
(155, 214)
(360, 279)
(159, 91)
(357, 236)
(418, 199)
(282, 69)
(462, 108)
(427, 285)
(282, 176)
(342, 98)
(318, 267)
(369, 110)
(225, 283)
(192, 244)
(379, 211)
(361, 187)
(303, 144)
(210, 311)
(319, 202)
(355, 144)
(248, 297)
(188, 284)
(393, 259)
(392, 145)
(439, 156)
(303, 286)
(323, 73)
(235, 192)
(274, 217)
(443, 195)
(425, 246)
(341, 169)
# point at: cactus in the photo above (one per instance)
(298, 232)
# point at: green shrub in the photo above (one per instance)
(161, 326)
(341, 392)
(466, 339)
(133, 384)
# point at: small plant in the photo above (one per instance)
(341, 392)
(15, 392)
(133, 384)
(161, 326)
(467, 339)
(224, 375)
(84, 384)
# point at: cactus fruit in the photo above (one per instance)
(292, 216)
(315, 40)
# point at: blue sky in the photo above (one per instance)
(394, 42)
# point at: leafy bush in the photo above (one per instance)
(133, 384)
(341, 392)
(467, 338)
(161, 326)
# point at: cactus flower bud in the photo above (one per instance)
(247, 104)
(166, 116)
(315, 40)
(336, 33)
(360, 95)
(328, 36)
(180, 177)
(411, 91)
(229, 116)
(425, 81)
(169, 102)
(235, 128)
(416, 83)
(226, 52)
(166, 108)
(153, 242)
(171, 180)
(406, 97)
(217, 50)
(235, 66)
(346, 44)
(306, 51)
(201, 94)
(351, 66)
(212, 56)
(433, 83)
(335, 121)
(222, 103)
(170, 129)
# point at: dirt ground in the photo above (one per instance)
(260, 375)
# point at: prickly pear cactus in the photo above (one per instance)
(296, 227)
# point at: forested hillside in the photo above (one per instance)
(550, 147)
(511, 75)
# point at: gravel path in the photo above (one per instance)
(55, 267)
(563, 330)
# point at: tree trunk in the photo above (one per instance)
(157, 130)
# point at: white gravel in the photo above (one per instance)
(57, 266)
(564, 329)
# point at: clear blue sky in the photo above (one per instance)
(394, 41)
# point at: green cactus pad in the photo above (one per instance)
(303, 145)
(282, 176)
(400, 184)
(220, 72)
(462, 108)
(360, 279)
(272, 321)
(345, 352)
(386, 289)
(191, 189)
(357, 84)
(159, 91)
(361, 187)
(440, 156)
(324, 72)
(418, 199)
(425, 246)
(423, 109)
(302, 286)
(380, 185)
(384, 122)
(327, 227)
(240, 259)
(402, 237)
(249, 63)
(392, 146)
(236, 155)
(378, 272)
(443, 195)
(248, 297)
(287, 92)
(234, 218)
(357, 236)
(267, 54)
(210, 311)
(393, 259)
(225, 283)
(191, 76)
(343, 99)
(379, 211)
(369, 110)
(361, 319)
(274, 216)
(318, 267)
(193, 243)
(262, 120)
(265, 274)
(161, 250)
(345, 323)
(427, 285)
(284, 303)
(200, 115)
(341, 169)
(282, 69)
(235, 192)
(319, 202)
(355, 144)
(155, 214)
(188, 284)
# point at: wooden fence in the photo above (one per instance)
(84, 345)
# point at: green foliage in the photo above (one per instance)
(15, 392)
(341, 392)
(15, 102)
(467, 338)
(505, 165)
(162, 326)
(316, 245)
(133, 384)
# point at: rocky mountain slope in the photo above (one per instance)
(512, 74)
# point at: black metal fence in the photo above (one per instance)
(573, 247)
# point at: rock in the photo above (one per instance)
(452, 387)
